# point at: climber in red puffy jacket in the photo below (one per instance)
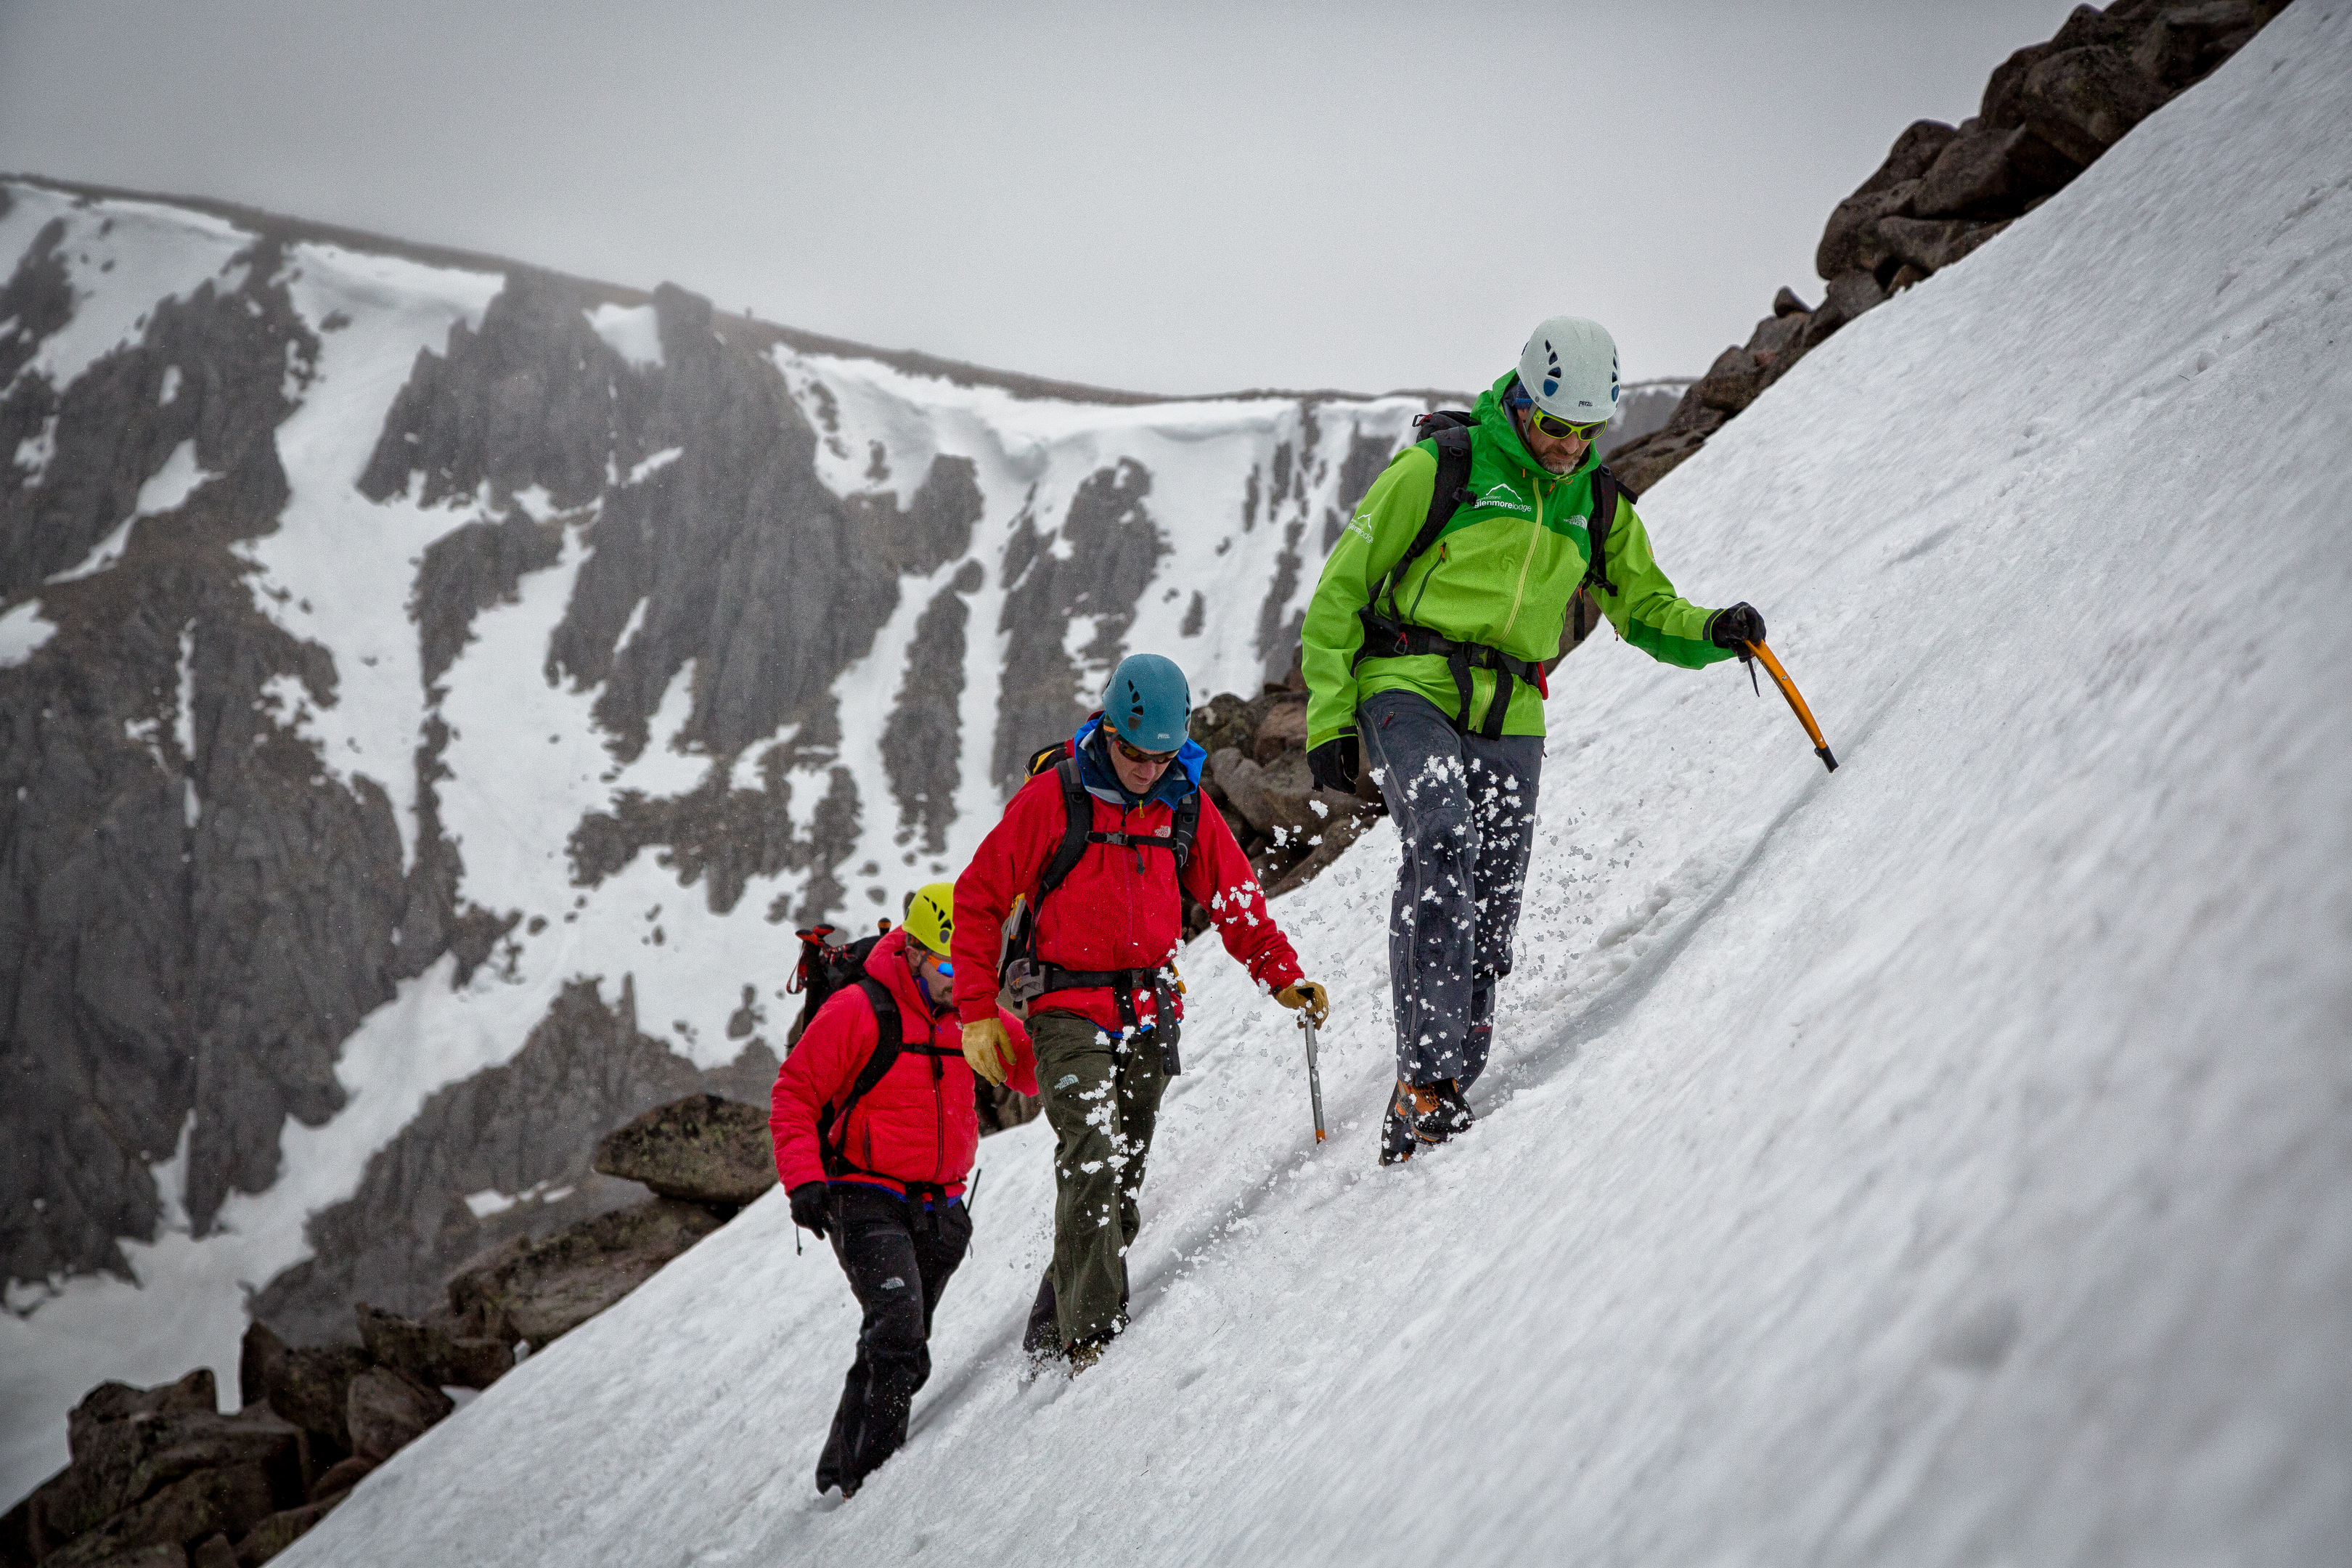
(1100, 848)
(886, 1181)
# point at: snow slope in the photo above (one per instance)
(1948, 1161)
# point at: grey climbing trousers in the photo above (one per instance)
(1465, 808)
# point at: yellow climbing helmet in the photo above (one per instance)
(930, 917)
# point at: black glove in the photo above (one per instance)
(1332, 765)
(1740, 624)
(812, 1207)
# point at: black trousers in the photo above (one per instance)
(899, 1256)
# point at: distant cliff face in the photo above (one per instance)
(431, 691)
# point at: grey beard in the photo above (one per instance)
(1564, 465)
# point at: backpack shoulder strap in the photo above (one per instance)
(1453, 488)
(889, 1040)
(1188, 828)
(1606, 489)
(1078, 816)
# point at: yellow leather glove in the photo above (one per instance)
(1309, 995)
(989, 1048)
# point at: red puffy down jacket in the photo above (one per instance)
(1118, 908)
(918, 1123)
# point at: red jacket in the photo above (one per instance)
(1118, 908)
(918, 1123)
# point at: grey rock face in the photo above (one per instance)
(530, 1124)
(926, 734)
(1112, 545)
(190, 928)
(703, 1149)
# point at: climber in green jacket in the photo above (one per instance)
(1428, 664)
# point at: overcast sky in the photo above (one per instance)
(1177, 198)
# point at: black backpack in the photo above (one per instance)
(828, 962)
(1449, 428)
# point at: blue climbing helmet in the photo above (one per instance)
(1149, 702)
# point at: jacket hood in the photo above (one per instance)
(888, 963)
(1500, 428)
(1097, 773)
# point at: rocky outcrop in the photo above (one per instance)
(536, 1292)
(703, 1149)
(160, 1475)
(2048, 112)
(155, 1474)
(523, 1134)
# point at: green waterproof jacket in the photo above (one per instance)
(1502, 574)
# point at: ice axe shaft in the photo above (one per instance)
(1796, 701)
(1313, 1075)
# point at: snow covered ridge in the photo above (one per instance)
(1943, 1162)
(432, 689)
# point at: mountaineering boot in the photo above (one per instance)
(1396, 1128)
(1449, 1115)
(1039, 1338)
(1086, 1352)
(1419, 1115)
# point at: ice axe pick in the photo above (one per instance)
(1796, 700)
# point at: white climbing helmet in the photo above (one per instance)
(1569, 368)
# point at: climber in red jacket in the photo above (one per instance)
(877, 1162)
(1097, 847)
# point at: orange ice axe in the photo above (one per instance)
(1796, 700)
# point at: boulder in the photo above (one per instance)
(1991, 174)
(1786, 303)
(342, 1477)
(1342, 830)
(213, 1552)
(426, 1353)
(162, 1555)
(1643, 462)
(309, 1385)
(124, 1461)
(539, 1290)
(111, 1403)
(702, 1149)
(2082, 102)
(1222, 721)
(1282, 728)
(388, 1412)
(1853, 294)
(1930, 245)
(280, 1531)
(1779, 342)
(1849, 242)
(1906, 276)
(1732, 381)
(226, 1501)
(2004, 95)
(1278, 798)
(2183, 43)
(1912, 151)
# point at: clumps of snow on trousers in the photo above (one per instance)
(1945, 1162)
